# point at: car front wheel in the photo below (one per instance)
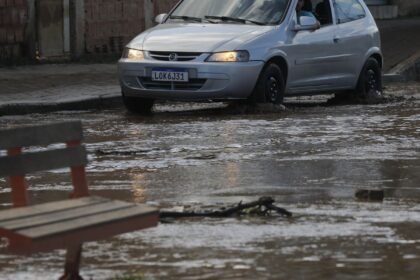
(138, 105)
(270, 86)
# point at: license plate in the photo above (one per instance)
(169, 75)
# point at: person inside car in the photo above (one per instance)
(303, 9)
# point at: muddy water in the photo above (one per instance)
(310, 158)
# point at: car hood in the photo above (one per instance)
(188, 37)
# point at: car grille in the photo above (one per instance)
(174, 56)
(193, 84)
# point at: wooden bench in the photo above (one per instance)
(62, 224)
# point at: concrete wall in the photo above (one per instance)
(20, 28)
(164, 6)
(407, 7)
(13, 19)
(111, 24)
(90, 26)
(77, 28)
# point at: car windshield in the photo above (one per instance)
(267, 12)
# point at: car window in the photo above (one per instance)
(348, 10)
(257, 11)
(322, 11)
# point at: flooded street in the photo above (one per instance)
(310, 158)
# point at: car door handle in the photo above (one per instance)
(336, 40)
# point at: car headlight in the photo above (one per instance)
(133, 54)
(234, 56)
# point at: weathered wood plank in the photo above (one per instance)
(41, 135)
(24, 245)
(44, 160)
(50, 207)
(133, 213)
(50, 218)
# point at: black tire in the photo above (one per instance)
(370, 80)
(138, 105)
(270, 86)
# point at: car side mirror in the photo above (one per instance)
(160, 18)
(306, 23)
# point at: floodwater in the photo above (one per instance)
(310, 158)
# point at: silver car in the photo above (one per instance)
(254, 50)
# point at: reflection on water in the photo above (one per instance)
(232, 173)
(139, 193)
(310, 159)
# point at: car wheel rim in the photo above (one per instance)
(273, 89)
(371, 80)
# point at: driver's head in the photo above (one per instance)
(300, 5)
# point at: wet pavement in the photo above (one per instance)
(311, 158)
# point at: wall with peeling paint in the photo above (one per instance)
(111, 24)
(13, 19)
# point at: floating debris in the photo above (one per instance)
(370, 195)
(262, 207)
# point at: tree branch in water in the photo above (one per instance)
(263, 206)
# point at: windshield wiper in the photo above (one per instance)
(256, 22)
(187, 18)
(241, 20)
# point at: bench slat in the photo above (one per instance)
(41, 135)
(50, 218)
(44, 160)
(136, 211)
(33, 211)
(19, 244)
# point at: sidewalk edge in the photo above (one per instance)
(405, 71)
(96, 103)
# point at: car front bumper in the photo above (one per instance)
(207, 81)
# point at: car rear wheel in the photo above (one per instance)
(270, 86)
(138, 105)
(370, 80)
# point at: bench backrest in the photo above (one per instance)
(17, 164)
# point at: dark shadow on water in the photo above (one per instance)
(179, 110)
(372, 98)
